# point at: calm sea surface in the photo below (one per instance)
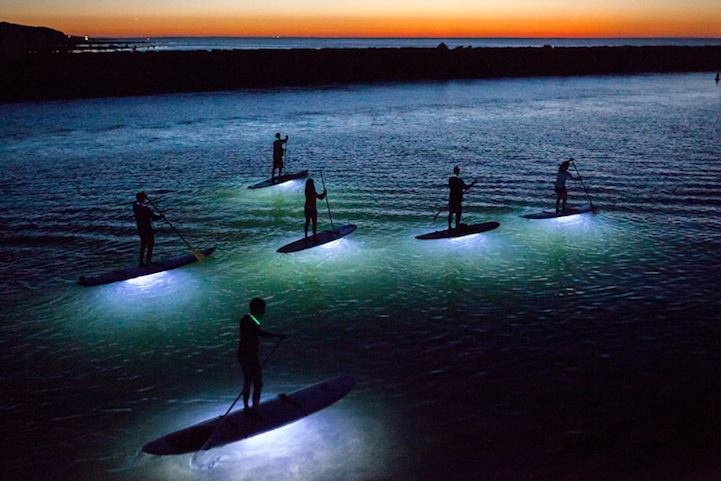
(588, 348)
(243, 43)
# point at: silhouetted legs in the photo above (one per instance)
(277, 165)
(454, 209)
(310, 217)
(561, 195)
(251, 376)
(147, 241)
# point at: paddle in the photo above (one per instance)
(582, 184)
(326, 201)
(198, 255)
(445, 208)
(204, 447)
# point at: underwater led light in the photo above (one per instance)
(150, 280)
(570, 219)
(465, 238)
(294, 439)
(287, 185)
(333, 244)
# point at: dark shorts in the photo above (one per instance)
(311, 212)
(277, 162)
(561, 192)
(146, 237)
(455, 208)
(250, 366)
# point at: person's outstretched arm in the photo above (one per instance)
(153, 215)
(263, 333)
(321, 196)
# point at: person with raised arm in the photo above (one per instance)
(560, 186)
(311, 211)
(455, 197)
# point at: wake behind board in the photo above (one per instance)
(279, 180)
(553, 214)
(271, 414)
(463, 231)
(317, 240)
(133, 272)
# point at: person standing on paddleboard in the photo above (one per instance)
(455, 198)
(250, 334)
(144, 217)
(278, 153)
(560, 185)
(311, 212)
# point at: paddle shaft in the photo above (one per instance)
(171, 225)
(582, 184)
(330, 216)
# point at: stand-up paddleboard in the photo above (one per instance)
(271, 414)
(552, 214)
(133, 272)
(279, 180)
(463, 231)
(317, 240)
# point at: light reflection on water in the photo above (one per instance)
(488, 349)
(309, 448)
(152, 281)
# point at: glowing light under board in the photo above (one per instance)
(334, 440)
(150, 281)
(466, 238)
(569, 219)
(279, 441)
(287, 185)
(333, 244)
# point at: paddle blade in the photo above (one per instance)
(199, 256)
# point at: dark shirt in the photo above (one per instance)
(310, 199)
(457, 187)
(278, 150)
(144, 217)
(250, 334)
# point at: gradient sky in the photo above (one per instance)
(372, 18)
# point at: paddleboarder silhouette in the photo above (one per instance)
(250, 334)
(311, 211)
(144, 217)
(560, 185)
(455, 198)
(278, 153)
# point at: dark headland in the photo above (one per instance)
(35, 74)
(22, 38)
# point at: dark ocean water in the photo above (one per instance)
(245, 43)
(579, 349)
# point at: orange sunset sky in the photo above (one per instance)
(372, 18)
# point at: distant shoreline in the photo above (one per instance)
(46, 76)
(210, 43)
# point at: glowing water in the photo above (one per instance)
(542, 347)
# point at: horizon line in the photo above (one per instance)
(430, 37)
